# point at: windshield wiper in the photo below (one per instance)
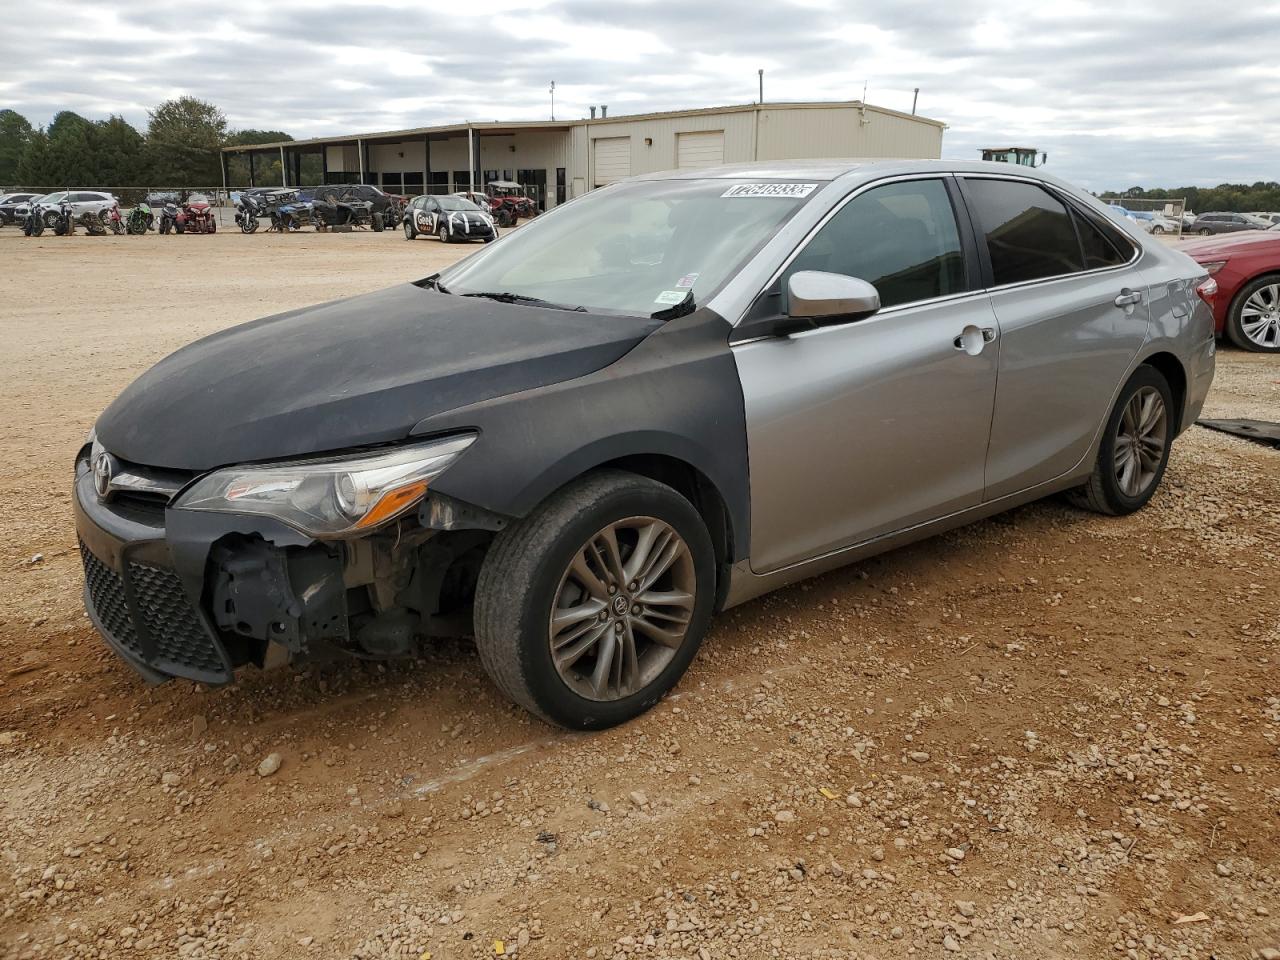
(521, 298)
(681, 309)
(432, 282)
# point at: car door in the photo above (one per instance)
(858, 430)
(1072, 308)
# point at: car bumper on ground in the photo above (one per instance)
(154, 576)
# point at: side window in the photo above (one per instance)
(1102, 247)
(1028, 231)
(901, 238)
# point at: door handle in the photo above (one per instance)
(972, 339)
(1128, 298)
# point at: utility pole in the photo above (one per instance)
(553, 99)
(914, 97)
(760, 73)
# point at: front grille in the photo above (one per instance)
(160, 627)
(106, 593)
(181, 642)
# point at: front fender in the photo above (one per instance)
(676, 394)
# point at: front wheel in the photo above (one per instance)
(591, 608)
(1253, 322)
(445, 234)
(1135, 447)
(410, 231)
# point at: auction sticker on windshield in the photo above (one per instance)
(671, 296)
(793, 190)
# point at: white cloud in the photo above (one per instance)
(1161, 91)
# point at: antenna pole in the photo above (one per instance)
(553, 99)
(914, 97)
(760, 73)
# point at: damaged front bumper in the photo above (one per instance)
(198, 594)
(179, 593)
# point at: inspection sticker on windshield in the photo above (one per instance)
(671, 296)
(792, 190)
(688, 280)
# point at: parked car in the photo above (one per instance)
(1246, 267)
(1271, 218)
(77, 203)
(1208, 224)
(10, 203)
(449, 219)
(644, 406)
(1148, 220)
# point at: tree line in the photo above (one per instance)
(179, 147)
(1227, 197)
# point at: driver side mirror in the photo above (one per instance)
(818, 299)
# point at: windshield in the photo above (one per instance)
(458, 204)
(635, 248)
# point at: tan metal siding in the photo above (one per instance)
(844, 132)
(700, 149)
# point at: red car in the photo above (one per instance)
(1246, 267)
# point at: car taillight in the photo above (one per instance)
(1207, 290)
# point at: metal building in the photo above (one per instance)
(557, 160)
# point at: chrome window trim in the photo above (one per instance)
(1052, 189)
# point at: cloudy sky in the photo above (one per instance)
(1119, 93)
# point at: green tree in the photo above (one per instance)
(120, 155)
(15, 134)
(183, 139)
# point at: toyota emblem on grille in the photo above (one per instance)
(103, 468)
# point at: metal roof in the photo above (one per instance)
(515, 126)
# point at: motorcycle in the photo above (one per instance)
(169, 222)
(141, 220)
(247, 211)
(114, 221)
(197, 216)
(58, 219)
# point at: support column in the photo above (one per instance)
(222, 162)
(297, 167)
(253, 180)
(284, 171)
(471, 156)
(360, 151)
(426, 165)
(324, 164)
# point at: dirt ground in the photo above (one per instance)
(1050, 735)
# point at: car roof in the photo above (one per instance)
(852, 169)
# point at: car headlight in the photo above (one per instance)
(1214, 267)
(333, 498)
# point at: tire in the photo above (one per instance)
(50, 219)
(1260, 331)
(213, 226)
(1105, 492)
(1205, 232)
(527, 569)
(1158, 231)
(377, 223)
(445, 234)
(410, 231)
(179, 227)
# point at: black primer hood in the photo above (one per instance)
(349, 373)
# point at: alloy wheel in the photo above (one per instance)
(622, 610)
(1140, 441)
(1260, 316)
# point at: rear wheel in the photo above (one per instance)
(592, 607)
(1253, 321)
(1205, 232)
(213, 226)
(1135, 447)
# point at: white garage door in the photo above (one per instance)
(613, 159)
(702, 149)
